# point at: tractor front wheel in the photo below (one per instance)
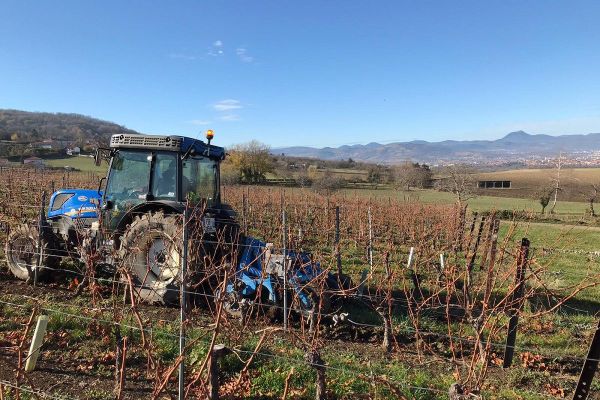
(150, 255)
(23, 254)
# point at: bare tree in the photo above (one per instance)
(592, 196)
(327, 183)
(459, 180)
(378, 174)
(410, 174)
(543, 196)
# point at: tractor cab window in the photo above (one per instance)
(128, 178)
(200, 179)
(164, 179)
(127, 184)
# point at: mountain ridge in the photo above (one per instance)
(18, 127)
(512, 147)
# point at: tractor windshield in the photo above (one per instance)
(128, 178)
(127, 185)
(200, 179)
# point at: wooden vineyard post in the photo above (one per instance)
(40, 257)
(370, 240)
(338, 253)
(183, 302)
(416, 291)
(313, 358)
(363, 282)
(218, 351)
(36, 343)
(285, 272)
(492, 261)
(516, 303)
(472, 229)
(590, 366)
(244, 227)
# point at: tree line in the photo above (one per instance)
(253, 162)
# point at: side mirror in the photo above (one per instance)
(100, 185)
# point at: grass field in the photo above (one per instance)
(85, 164)
(569, 251)
(478, 203)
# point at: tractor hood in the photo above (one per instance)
(75, 203)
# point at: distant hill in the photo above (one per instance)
(513, 147)
(33, 133)
(31, 127)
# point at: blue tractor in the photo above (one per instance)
(133, 222)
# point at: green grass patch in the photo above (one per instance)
(478, 203)
(85, 164)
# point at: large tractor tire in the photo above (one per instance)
(22, 253)
(150, 253)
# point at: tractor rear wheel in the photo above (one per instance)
(22, 253)
(150, 253)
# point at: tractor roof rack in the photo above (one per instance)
(146, 142)
(169, 143)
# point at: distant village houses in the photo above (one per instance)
(42, 145)
(34, 162)
(73, 151)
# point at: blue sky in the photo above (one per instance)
(309, 72)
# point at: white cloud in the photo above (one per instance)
(216, 49)
(229, 117)
(200, 122)
(227, 105)
(242, 53)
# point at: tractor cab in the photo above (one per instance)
(150, 182)
(149, 172)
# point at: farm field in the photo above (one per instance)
(432, 343)
(84, 164)
(532, 177)
(478, 203)
(576, 183)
